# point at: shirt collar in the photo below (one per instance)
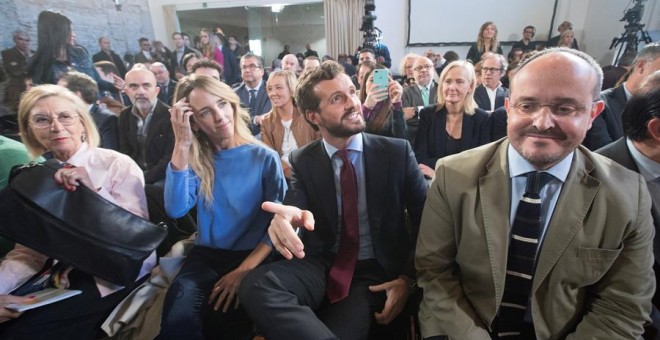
(649, 168)
(519, 166)
(355, 145)
(80, 157)
(255, 88)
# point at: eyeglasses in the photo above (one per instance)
(423, 67)
(43, 121)
(250, 67)
(490, 69)
(558, 110)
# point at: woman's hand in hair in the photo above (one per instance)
(181, 117)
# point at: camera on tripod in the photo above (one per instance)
(371, 32)
(634, 33)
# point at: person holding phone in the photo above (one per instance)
(219, 167)
(382, 108)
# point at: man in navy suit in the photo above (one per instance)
(252, 91)
(293, 298)
(607, 127)
(490, 94)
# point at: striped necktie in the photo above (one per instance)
(521, 260)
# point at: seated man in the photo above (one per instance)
(351, 258)
(490, 94)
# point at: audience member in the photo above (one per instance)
(207, 68)
(613, 74)
(115, 100)
(85, 88)
(284, 128)
(607, 127)
(554, 41)
(526, 43)
(572, 258)
(382, 53)
(406, 69)
(290, 63)
(225, 57)
(252, 91)
(362, 69)
(381, 106)
(311, 63)
(347, 63)
(336, 285)
(145, 55)
(455, 124)
(107, 54)
(217, 164)
(145, 133)
(166, 85)
(423, 92)
(486, 42)
(47, 115)
(284, 52)
(566, 39)
(639, 151)
(310, 52)
(235, 47)
(161, 52)
(490, 94)
(14, 62)
(176, 66)
(366, 54)
(188, 61)
(478, 73)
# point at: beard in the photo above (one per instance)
(142, 104)
(539, 157)
(342, 130)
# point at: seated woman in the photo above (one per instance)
(567, 39)
(486, 42)
(284, 128)
(382, 106)
(221, 168)
(52, 119)
(455, 124)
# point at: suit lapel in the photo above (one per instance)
(575, 200)
(323, 185)
(153, 125)
(495, 208)
(433, 93)
(376, 173)
(482, 97)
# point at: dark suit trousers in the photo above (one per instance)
(287, 300)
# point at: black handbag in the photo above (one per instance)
(78, 227)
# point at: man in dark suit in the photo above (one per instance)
(608, 127)
(14, 61)
(165, 84)
(107, 54)
(490, 94)
(177, 70)
(639, 151)
(338, 188)
(145, 131)
(106, 122)
(423, 92)
(252, 91)
(146, 55)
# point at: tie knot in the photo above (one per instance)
(343, 154)
(536, 180)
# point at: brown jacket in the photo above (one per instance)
(272, 131)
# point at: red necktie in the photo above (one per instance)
(341, 273)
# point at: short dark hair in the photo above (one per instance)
(367, 50)
(305, 96)
(204, 63)
(533, 29)
(260, 60)
(641, 108)
(450, 56)
(80, 82)
(176, 33)
(184, 34)
(107, 67)
(143, 39)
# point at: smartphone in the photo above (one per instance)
(381, 77)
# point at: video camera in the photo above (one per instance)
(371, 32)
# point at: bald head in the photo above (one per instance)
(141, 88)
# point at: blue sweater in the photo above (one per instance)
(245, 176)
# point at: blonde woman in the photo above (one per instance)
(486, 42)
(222, 170)
(284, 128)
(455, 124)
(213, 49)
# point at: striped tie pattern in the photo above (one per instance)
(521, 260)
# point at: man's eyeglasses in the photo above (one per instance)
(250, 67)
(490, 69)
(558, 110)
(423, 67)
(43, 121)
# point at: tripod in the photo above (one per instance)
(634, 33)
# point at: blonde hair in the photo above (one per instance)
(30, 99)
(202, 150)
(291, 81)
(563, 35)
(469, 104)
(494, 43)
(208, 50)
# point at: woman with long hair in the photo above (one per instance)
(567, 39)
(57, 53)
(284, 128)
(214, 48)
(221, 169)
(455, 124)
(486, 42)
(382, 106)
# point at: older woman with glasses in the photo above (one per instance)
(53, 120)
(455, 124)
